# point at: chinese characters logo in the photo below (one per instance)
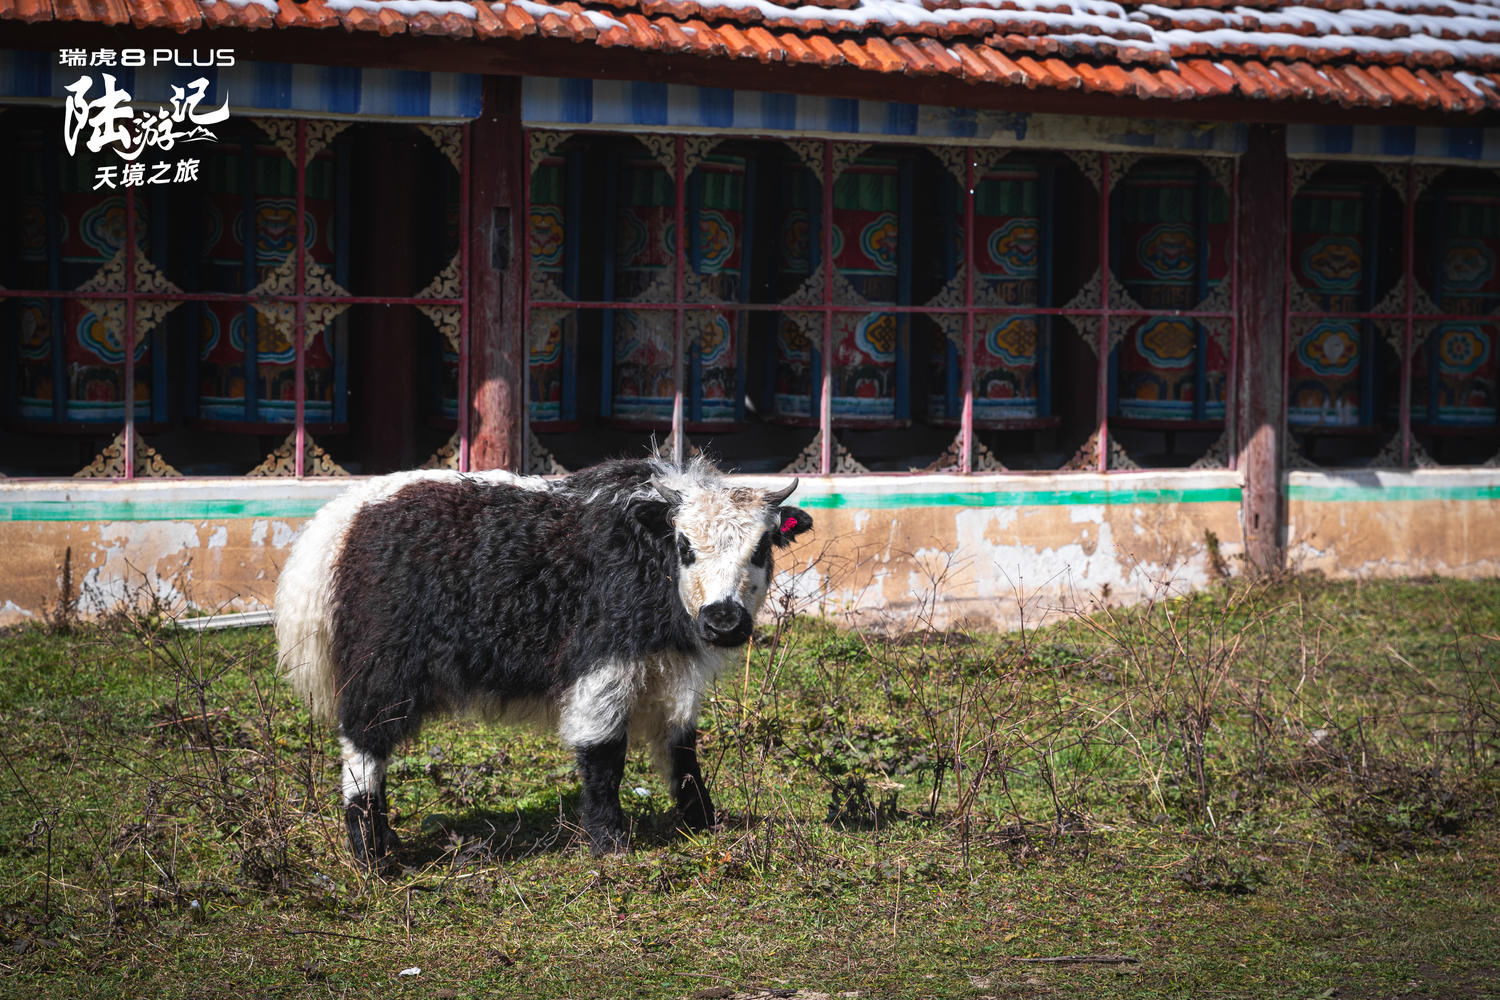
(112, 123)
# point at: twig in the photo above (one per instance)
(351, 937)
(215, 714)
(1081, 959)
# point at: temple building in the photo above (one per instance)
(1042, 299)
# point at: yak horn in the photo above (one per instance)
(778, 497)
(668, 494)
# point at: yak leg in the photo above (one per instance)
(373, 722)
(593, 722)
(370, 836)
(693, 801)
(601, 766)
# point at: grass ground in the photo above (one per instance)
(1280, 789)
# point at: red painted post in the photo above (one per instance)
(679, 348)
(825, 401)
(1259, 399)
(127, 336)
(299, 328)
(966, 422)
(1231, 387)
(497, 225)
(1101, 395)
(464, 336)
(1408, 334)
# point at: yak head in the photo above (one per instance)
(724, 538)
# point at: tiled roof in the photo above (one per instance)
(1439, 55)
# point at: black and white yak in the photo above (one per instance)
(603, 603)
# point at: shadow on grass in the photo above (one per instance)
(482, 835)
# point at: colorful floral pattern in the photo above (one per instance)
(1334, 263)
(1330, 348)
(1167, 342)
(1168, 251)
(879, 241)
(1462, 348)
(1014, 246)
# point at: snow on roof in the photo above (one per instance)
(407, 8)
(1433, 55)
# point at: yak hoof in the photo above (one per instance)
(694, 806)
(697, 814)
(611, 841)
(371, 839)
(698, 820)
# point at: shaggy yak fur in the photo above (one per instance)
(603, 603)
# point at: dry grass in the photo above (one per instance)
(1268, 788)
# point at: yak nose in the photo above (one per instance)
(724, 623)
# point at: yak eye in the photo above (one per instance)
(685, 554)
(762, 551)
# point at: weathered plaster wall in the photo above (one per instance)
(1432, 521)
(214, 544)
(1001, 548)
(885, 550)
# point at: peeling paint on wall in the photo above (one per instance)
(990, 549)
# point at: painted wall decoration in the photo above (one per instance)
(868, 349)
(798, 366)
(865, 351)
(234, 340)
(1009, 269)
(720, 210)
(545, 367)
(716, 382)
(794, 246)
(866, 229)
(1006, 368)
(552, 341)
(1456, 372)
(75, 349)
(636, 366)
(643, 370)
(1331, 227)
(796, 338)
(1171, 250)
(645, 248)
(1158, 377)
(1323, 375)
(1461, 363)
(1335, 222)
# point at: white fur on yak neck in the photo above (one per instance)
(304, 599)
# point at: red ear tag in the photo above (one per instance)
(788, 524)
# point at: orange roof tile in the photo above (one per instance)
(1433, 54)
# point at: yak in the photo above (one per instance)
(602, 604)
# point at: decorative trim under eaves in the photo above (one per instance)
(640, 106)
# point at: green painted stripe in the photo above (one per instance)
(286, 508)
(1021, 498)
(1390, 494)
(295, 508)
(165, 510)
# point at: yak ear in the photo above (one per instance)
(790, 522)
(656, 516)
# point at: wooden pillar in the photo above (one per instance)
(497, 230)
(1259, 398)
